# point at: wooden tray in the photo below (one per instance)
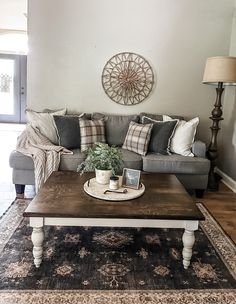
(96, 190)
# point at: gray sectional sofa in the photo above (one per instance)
(191, 171)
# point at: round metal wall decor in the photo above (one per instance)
(127, 78)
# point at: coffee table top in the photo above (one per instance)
(63, 196)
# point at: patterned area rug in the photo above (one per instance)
(114, 265)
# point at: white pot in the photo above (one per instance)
(103, 176)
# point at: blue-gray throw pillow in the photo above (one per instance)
(161, 135)
(68, 129)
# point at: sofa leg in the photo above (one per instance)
(20, 191)
(199, 193)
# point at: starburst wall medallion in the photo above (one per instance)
(127, 78)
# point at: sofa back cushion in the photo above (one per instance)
(68, 130)
(116, 127)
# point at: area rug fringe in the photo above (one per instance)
(206, 296)
(11, 220)
(224, 246)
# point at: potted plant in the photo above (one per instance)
(105, 160)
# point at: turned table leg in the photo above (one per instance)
(188, 242)
(37, 238)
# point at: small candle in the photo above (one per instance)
(114, 183)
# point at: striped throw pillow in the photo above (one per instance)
(91, 132)
(137, 137)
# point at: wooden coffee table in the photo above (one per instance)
(62, 201)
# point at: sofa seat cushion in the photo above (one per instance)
(18, 160)
(70, 162)
(131, 159)
(175, 164)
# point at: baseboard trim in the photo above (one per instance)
(228, 181)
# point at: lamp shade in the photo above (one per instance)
(220, 69)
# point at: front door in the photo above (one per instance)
(12, 88)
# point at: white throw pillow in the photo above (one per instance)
(183, 138)
(44, 122)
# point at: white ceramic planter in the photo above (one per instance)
(103, 176)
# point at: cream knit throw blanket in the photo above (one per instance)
(45, 155)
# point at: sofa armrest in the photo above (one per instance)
(199, 149)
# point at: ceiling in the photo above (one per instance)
(12, 14)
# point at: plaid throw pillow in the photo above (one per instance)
(137, 138)
(91, 132)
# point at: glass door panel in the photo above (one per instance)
(9, 88)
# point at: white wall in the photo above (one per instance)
(70, 42)
(227, 150)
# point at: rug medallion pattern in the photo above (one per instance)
(96, 264)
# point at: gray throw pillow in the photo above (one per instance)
(116, 127)
(68, 129)
(161, 135)
(158, 117)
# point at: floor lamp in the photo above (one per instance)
(219, 71)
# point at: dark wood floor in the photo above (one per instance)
(222, 205)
